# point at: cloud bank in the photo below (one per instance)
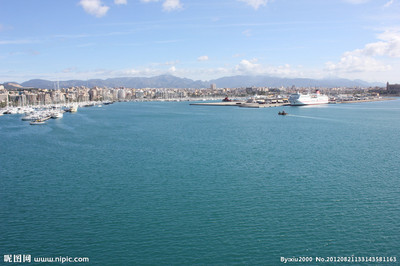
(366, 59)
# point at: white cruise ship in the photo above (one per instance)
(308, 99)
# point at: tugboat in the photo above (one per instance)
(282, 113)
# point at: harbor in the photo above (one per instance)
(27, 103)
(279, 102)
(38, 115)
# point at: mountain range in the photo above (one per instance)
(169, 81)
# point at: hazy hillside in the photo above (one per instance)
(168, 81)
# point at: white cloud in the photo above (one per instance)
(94, 7)
(170, 5)
(388, 4)
(350, 63)
(120, 2)
(389, 46)
(248, 66)
(202, 58)
(252, 67)
(364, 60)
(255, 3)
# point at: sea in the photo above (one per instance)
(168, 183)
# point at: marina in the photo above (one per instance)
(39, 114)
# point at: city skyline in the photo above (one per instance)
(201, 40)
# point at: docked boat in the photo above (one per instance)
(72, 109)
(37, 122)
(56, 115)
(308, 99)
(29, 117)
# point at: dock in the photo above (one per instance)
(242, 104)
(262, 105)
(219, 104)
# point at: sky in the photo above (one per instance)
(199, 39)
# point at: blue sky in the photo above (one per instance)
(199, 39)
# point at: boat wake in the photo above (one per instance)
(314, 117)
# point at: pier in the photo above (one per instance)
(242, 104)
(219, 104)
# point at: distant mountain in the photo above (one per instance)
(12, 86)
(168, 81)
(163, 81)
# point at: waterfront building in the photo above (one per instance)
(121, 94)
(31, 99)
(83, 97)
(393, 88)
(18, 99)
(93, 94)
(139, 94)
(3, 99)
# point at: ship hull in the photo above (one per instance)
(313, 99)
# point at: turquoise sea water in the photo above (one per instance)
(171, 184)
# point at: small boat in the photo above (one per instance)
(226, 99)
(56, 115)
(72, 109)
(30, 117)
(37, 122)
(282, 113)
